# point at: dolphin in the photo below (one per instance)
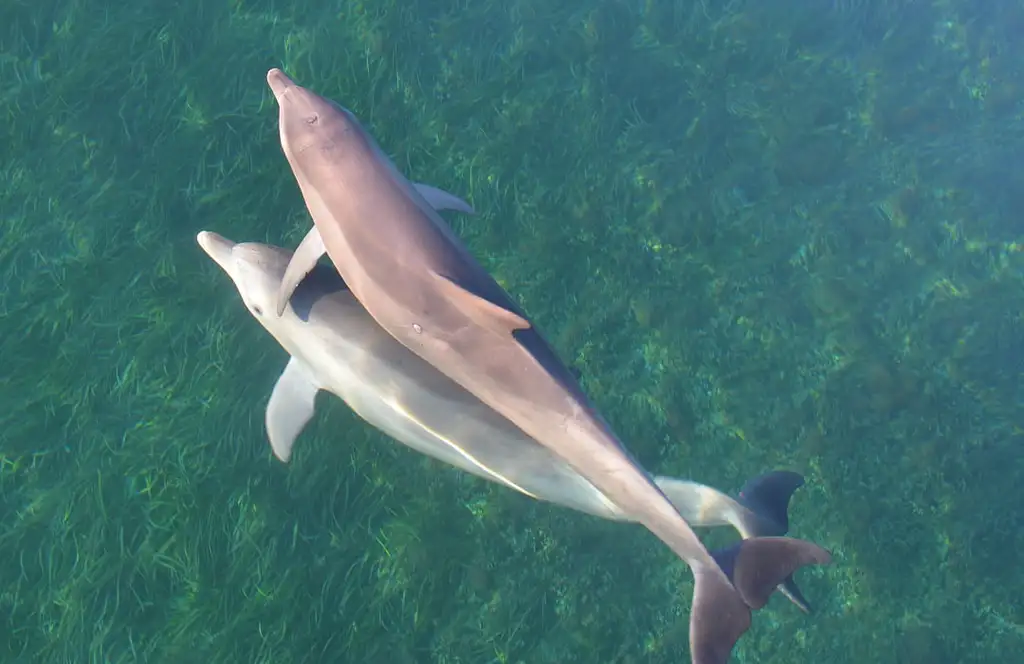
(419, 282)
(335, 346)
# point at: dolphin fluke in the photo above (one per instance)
(721, 612)
(757, 565)
(759, 511)
(768, 496)
(718, 618)
(792, 592)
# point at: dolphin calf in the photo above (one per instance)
(418, 281)
(335, 346)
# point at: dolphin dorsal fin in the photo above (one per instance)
(290, 408)
(480, 309)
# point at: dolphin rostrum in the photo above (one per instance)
(420, 283)
(337, 347)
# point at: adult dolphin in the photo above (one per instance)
(335, 346)
(420, 283)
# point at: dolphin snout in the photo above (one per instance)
(217, 247)
(278, 82)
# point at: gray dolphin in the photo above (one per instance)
(337, 347)
(420, 283)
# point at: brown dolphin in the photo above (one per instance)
(420, 283)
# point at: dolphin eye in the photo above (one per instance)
(257, 309)
(312, 119)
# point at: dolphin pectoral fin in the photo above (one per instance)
(482, 311)
(290, 408)
(440, 199)
(302, 263)
(700, 505)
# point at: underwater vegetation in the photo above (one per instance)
(768, 234)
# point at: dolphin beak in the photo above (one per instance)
(217, 247)
(278, 82)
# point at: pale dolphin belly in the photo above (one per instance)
(395, 391)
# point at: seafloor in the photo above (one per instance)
(771, 234)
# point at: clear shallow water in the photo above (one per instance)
(768, 235)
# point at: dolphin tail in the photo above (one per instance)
(792, 592)
(767, 497)
(763, 504)
(760, 511)
(755, 566)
